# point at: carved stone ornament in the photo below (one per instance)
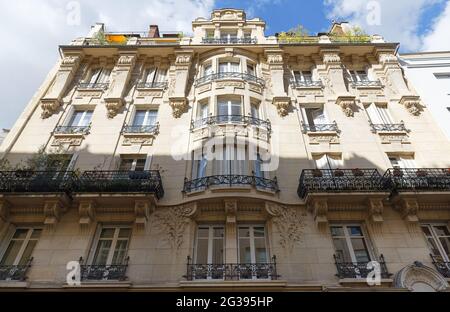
(143, 140)
(113, 107)
(49, 107)
(52, 212)
(69, 140)
(283, 105)
(320, 138)
(420, 278)
(376, 210)
(179, 106)
(387, 58)
(183, 59)
(172, 223)
(331, 59)
(319, 208)
(126, 60)
(71, 61)
(412, 104)
(142, 209)
(275, 59)
(346, 103)
(409, 209)
(289, 223)
(86, 211)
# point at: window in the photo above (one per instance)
(402, 162)
(251, 69)
(81, 118)
(228, 36)
(350, 244)
(154, 75)
(21, 246)
(133, 164)
(315, 116)
(207, 70)
(438, 239)
(252, 245)
(258, 167)
(203, 110)
(145, 118)
(378, 114)
(328, 162)
(229, 67)
(254, 110)
(100, 75)
(200, 165)
(210, 34)
(229, 109)
(303, 76)
(233, 161)
(210, 245)
(112, 246)
(359, 75)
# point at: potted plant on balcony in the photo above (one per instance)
(317, 173)
(421, 173)
(357, 172)
(338, 173)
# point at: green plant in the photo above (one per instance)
(355, 34)
(43, 160)
(101, 38)
(297, 34)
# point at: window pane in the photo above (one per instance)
(140, 165)
(202, 251)
(244, 232)
(76, 118)
(307, 76)
(208, 70)
(258, 232)
(445, 242)
(441, 231)
(21, 233)
(203, 232)
(342, 251)
(120, 252)
(234, 67)
(107, 233)
(236, 108)
(217, 252)
(152, 117)
(126, 164)
(251, 70)
(139, 118)
(218, 232)
(434, 248)
(86, 120)
(260, 250)
(426, 231)
(11, 253)
(244, 251)
(360, 249)
(354, 231)
(150, 75)
(124, 233)
(337, 231)
(223, 67)
(28, 252)
(102, 252)
(36, 233)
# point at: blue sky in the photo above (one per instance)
(34, 29)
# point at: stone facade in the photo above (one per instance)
(227, 82)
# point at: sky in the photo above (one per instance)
(32, 30)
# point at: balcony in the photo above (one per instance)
(340, 181)
(150, 129)
(388, 127)
(93, 86)
(230, 40)
(366, 84)
(359, 269)
(230, 181)
(29, 181)
(121, 182)
(306, 84)
(72, 130)
(229, 75)
(104, 272)
(320, 128)
(14, 272)
(232, 272)
(231, 119)
(414, 179)
(442, 266)
(152, 85)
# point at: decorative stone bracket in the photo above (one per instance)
(53, 209)
(375, 212)
(409, 209)
(142, 210)
(179, 106)
(231, 208)
(412, 104)
(319, 208)
(346, 103)
(283, 105)
(86, 211)
(113, 106)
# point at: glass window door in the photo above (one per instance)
(210, 245)
(229, 110)
(145, 118)
(255, 111)
(229, 67)
(80, 119)
(329, 162)
(208, 70)
(359, 75)
(252, 245)
(402, 162)
(112, 246)
(315, 116)
(378, 114)
(438, 239)
(21, 246)
(132, 164)
(100, 75)
(350, 244)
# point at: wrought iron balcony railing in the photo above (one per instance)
(232, 272)
(121, 181)
(229, 75)
(29, 181)
(413, 179)
(152, 85)
(143, 129)
(388, 127)
(14, 272)
(231, 119)
(72, 130)
(320, 127)
(366, 83)
(230, 40)
(93, 86)
(359, 269)
(230, 181)
(443, 267)
(306, 84)
(341, 180)
(115, 272)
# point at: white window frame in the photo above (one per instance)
(435, 237)
(156, 74)
(135, 159)
(356, 74)
(83, 112)
(306, 119)
(228, 35)
(229, 66)
(381, 112)
(25, 243)
(100, 75)
(404, 162)
(348, 240)
(228, 102)
(115, 238)
(146, 118)
(211, 238)
(330, 161)
(301, 74)
(252, 241)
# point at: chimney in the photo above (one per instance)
(153, 31)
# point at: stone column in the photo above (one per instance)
(177, 99)
(120, 78)
(52, 99)
(281, 100)
(231, 246)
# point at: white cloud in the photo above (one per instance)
(32, 31)
(438, 39)
(399, 19)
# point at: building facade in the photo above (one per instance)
(429, 74)
(229, 160)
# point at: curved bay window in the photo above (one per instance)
(229, 109)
